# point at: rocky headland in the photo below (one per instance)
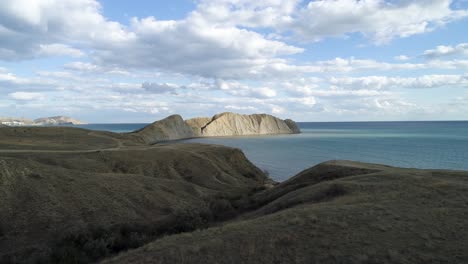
(225, 124)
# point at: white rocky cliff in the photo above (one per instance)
(224, 124)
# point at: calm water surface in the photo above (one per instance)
(438, 145)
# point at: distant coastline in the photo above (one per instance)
(43, 121)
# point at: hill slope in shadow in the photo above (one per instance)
(335, 212)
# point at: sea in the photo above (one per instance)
(427, 145)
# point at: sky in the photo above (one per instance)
(115, 61)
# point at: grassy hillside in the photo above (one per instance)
(336, 212)
(80, 207)
(71, 195)
(60, 138)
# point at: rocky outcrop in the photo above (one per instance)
(57, 120)
(224, 124)
(293, 126)
(231, 124)
(170, 128)
(197, 123)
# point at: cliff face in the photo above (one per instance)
(231, 124)
(197, 123)
(170, 128)
(224, 124)
(293, 126)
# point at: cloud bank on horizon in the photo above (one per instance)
(323, 60)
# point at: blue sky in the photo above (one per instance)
(326, 60)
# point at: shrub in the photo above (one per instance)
(189, 218)
(221, 209)
(93, 243)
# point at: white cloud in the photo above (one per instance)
(240, 108)
(265, 13)
(238, 89)
(82, 66)
(441, 51)
(380, 20)
(192, 46)
(26, 96)
(50, 26)
(353, 64)
(384, 82)
(263, 92)
(278, 110)
(402, 58)
(226, 54)
(10, 81)
(160, 87)
(346, 65)
(59, 50)
(90, 68)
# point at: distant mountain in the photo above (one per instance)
(44, 121)
(57, 120)
(15, 121)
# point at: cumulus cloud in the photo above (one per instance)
(402, 58)
(226, 54)
(82, 67)
(59, 50)
(10, 81)
(220, 39)
(266, 13)
(385, 82)
(380, 20)
(345, 65)
(45, 27)
(441, 51)
(160, 87)
(26, 96)
(91, 68)
(239, 89)
(192, 46)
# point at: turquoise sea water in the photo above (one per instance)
(436, 145)
(118, 128)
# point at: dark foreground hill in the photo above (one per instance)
(81, 205)
(76, 196)
(336, 212)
